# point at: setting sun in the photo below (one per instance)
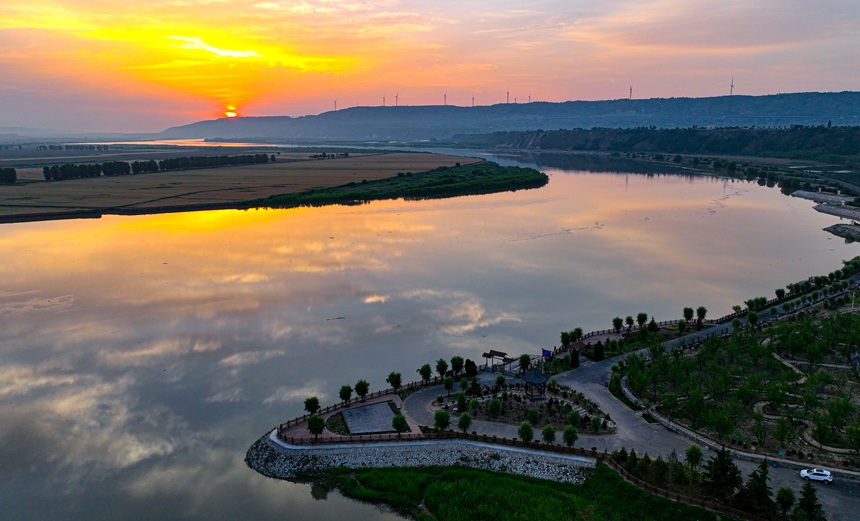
(231, 114)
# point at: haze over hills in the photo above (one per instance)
(443, 122)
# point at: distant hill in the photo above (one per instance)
(443, 122)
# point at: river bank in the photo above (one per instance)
(275, 458)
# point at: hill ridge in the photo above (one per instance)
(428, 122)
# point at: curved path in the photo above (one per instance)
(841, 500)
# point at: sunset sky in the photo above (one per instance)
(110, 65)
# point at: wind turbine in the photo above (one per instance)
(397, 99)
(732, 87)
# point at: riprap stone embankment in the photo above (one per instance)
(279, 460)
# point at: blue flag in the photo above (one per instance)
(546, 353)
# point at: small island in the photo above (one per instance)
(126, 181)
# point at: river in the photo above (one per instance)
(141, 356)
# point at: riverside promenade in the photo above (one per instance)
(841, 499)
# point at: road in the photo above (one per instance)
(841, 499)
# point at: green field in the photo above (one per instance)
(456, 493)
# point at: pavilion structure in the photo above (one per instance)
(498, 361)
(535, 381)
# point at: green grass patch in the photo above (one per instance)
(620, 395)
(474, 179)
(456, 493)
(337, 424)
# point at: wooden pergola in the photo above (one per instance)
(497, 360)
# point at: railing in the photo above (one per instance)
(343, 405)
(662, 323)
(447, 435)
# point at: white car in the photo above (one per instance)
(816, 475)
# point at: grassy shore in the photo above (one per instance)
(473, 179)
(456, 493)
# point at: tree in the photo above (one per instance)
(464, 422)
(780, 293)
(759, 428)
(641, 319)
(722, 475)
(599, 352)
(494, 407)
(576, 334)
(500, 381)
(617, 324)
(569, 435)
(721, 422)
(852, 433)
(785, 500)
(426, 372)
(316, 425)
(838, 409)
(448, 384)
(399, 424)
(628, 321)
(752, 318)
(682, 327)
(8, 176)
(361, 388)
(701, 312)
(475, 387)
(696, 407)
(784, 430)
(596, 422)
(548, 435)
(461, 401)
(470, 367)
(526, 432)
(808, 508)
(394, 380)
(693, 457)
(756, 495)
(525, 362)
(457, 364)
(442, 420)
(573, 418)
(312, 404)
(441, 367)
(688, 314)
(565, 338)
(533, 416)
(346, 393)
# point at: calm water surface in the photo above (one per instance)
(141, 356)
